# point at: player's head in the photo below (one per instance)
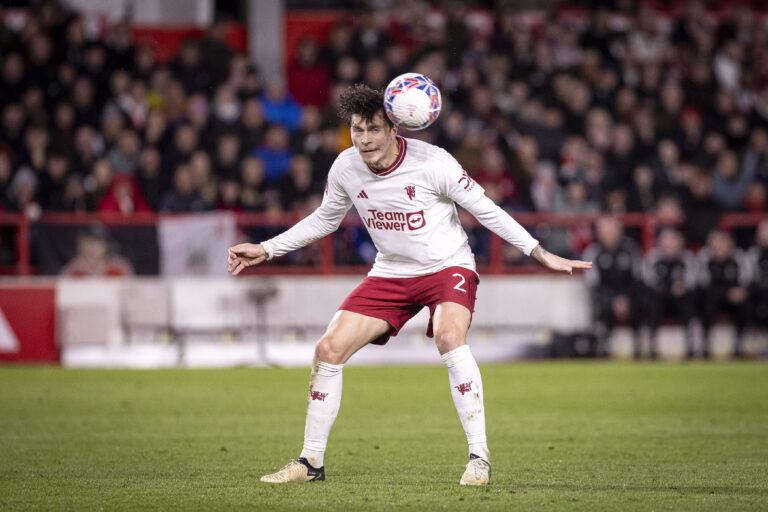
(373, 134)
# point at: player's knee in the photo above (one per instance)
(328, 351)
(448, 339)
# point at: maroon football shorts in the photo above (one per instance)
(397, 300)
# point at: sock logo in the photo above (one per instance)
(465, 387)
(317, 395)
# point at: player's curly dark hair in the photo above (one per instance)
(361, 100)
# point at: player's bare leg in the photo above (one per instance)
(451, 323)
(347, 333)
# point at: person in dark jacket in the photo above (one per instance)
(183, 197)
(758, 262)
(723, 288)
(615, 281)
(669, 272)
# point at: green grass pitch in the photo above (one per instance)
(563, 436)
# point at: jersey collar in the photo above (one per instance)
(396, 163)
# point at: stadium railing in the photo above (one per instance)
(17, 229)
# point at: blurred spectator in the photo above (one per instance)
(669, 272)
(13, 120)
(644, 189)
(88, 147)
(13, 78)
(188, 68)
(215, 53)
(730, 182)
(614, 280)
(229, 195)
(23, 193)
(758, 259)
(369, 40)
(74, 198)
(275, 152)
(83, 100)
(149, 176)
(185, 142)
(495, 178)
(225, 108)
(124, 157)
(252, 124)
(183, 197)
(36, 147)
(94, 257)
(227, 158)
(53, 181)
(296, 187)
(307, 77)
(97, 182)
(308, 138)
(646, 42)
(203, 179)
(701, 210)
(6, 173)
(124, 196)
(252, 196)
(723, 287)
(279, 107)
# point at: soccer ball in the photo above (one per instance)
(412, 101)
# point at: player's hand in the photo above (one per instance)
(242, 256)
(554, 262)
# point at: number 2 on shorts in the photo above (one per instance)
(461, 282)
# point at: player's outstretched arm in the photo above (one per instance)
(242, 256)
(554, 262)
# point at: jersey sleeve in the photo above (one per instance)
(454, 183)
(323, 221)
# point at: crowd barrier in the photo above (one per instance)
(41, 246)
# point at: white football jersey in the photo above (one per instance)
(409, 210)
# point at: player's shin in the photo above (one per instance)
(323, 404)
(467, 392)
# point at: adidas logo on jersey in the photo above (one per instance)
(362, 195)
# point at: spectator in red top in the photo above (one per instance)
(495, 178)
(229, 195)
(307, 78)
(124, 196)
(94, 257)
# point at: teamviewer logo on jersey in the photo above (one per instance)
(415, 220)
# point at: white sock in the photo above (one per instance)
(323, 403)
(467, 392)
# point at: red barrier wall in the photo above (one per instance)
(30, 313)
(167, 40)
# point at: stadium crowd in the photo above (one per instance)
(584, 110)
(615, 111)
